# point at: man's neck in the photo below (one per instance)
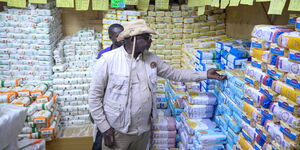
(128, 49)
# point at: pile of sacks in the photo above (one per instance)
(27, 47)
(41, 114)
(163, 130)
(116, 16)
(181, 25)
(196, 129)
(229, 111)
(74, 56)
(272, 91)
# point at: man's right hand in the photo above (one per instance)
(109, 138)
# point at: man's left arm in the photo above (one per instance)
(184, 75)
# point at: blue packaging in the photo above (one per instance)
(260, 138)
(237, 118)
(219, 46)
(226, 109)
(224, 53)
(232, 135)
(240, 53)
(223, 124)
(273, 60)
(235, 127)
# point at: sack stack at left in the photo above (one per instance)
(26, 47)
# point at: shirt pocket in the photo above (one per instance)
(114, 114)
(119, 84)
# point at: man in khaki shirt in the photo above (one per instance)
(122, 93)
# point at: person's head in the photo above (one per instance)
(138, 30)
(114, 30)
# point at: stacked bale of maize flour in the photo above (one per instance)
(164, 130)
(272, 94)
(196, 129)
(228, 112)
(74, 58)
(116, 16)
(42, 115)
(27, 47)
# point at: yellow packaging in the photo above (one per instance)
(122, 17)
(169, 31)
(177, 42)
(177, 20)
(220, 32)
(188, 20)
(160, 13)
(168, 57)
(160, 47)
(160, 26)
(177, 30)
(106, 26)
(105, 37)
(290, 133)
(211, 23)
(288, 105)
(176, 66)
(287, 91)
(176, 52)
(171, 36)
(275, 73)
(161, 31)
(188, 31)
(260, 44)
(167, 41)
(168, 14)
(261, 55)
(170, 26)
(160, 56)
(187, 26)
(251, 111)
(110, 16)
(178, 36)
(176, 61)
(212, 28)
(166, 52)
(178, 25)
(187, 40)
(151, 19)
(152, 13)
(204, 29)
(290, 40)
(160, 19)
(176, 47)
(105, 32)
(164, 35)
(220, 26)
(176, 13)
(152, 25)
(168, 19)
(245, 145)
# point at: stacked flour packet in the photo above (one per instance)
(272, 91)
(27, 47)
(74, 57)
(42, 115)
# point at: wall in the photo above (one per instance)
(241, 20)
(73, 20)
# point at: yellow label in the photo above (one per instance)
(234, 3)
(16, 3)
(247, 2)
(143, 4)
(82, 4)
(294, 5)
(191, 124)
(65, 3)
(248, 109)
(131, 2)
(194, 3)
(293, 43)
(38, 1)
(276, 7)
(100, 4)
(201, 10)
(224, 4)
(161, 4)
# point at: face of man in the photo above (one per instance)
(143, 42)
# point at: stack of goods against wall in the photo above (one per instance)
(27, 47)
(181, 25)
(40, 102)
(116, 16)
(75, 57)
(271, 93)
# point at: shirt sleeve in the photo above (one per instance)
(182, 75)
(96, 94)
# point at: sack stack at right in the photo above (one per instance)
(271, 116)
